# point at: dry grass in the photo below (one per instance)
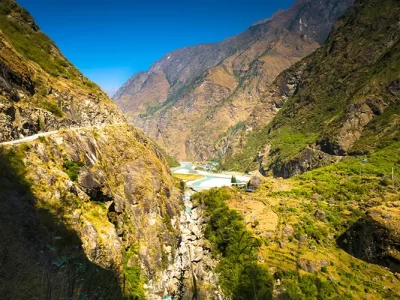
(188, 177)
(255, 212)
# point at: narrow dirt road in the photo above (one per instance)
(43, 134)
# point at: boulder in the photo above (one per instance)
(312, 266)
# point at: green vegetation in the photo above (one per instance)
(309, 287)
(353, 179)
(72, 169)
(133, 280)
(172, 161)
(33, 44)
(52, 107)
(240, 274)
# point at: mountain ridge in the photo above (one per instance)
(215, 89)
(41, 89)
(348, 100)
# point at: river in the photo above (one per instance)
(209, 180)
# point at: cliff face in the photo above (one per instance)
(340, 100)
(192, 98)
(104, 193)
(376, 237)
(86, 211)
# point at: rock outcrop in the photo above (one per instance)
(375, 238)
(112, 188)
(192, 98)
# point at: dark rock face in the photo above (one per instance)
(307, 160)
(10, 80)
(190, 98)
(94, 185)
(375, 239)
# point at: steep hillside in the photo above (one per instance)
(341, 100)
(40, 89)
(80, 205)
(330, 233)
(88, 209)
(193, 97)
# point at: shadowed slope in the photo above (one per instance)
(41, 258)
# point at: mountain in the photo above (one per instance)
(193, 97)
(341, 100)
(326, 137)
(87, 202)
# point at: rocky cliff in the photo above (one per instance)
(193, 97)
(104, 193)
(341, 100)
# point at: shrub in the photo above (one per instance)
(240, 274)
(53, 108)
(72, 169)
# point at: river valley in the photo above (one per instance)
(190, 272)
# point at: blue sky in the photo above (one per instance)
(111, 40)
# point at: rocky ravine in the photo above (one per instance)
(85, 212)
(190, 275)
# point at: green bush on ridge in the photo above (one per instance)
(240, 275)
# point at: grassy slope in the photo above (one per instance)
(342, 192)
(314, 209)
(31, 42)
(33, 56)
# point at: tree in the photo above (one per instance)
(183, 186)
(233, 179)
